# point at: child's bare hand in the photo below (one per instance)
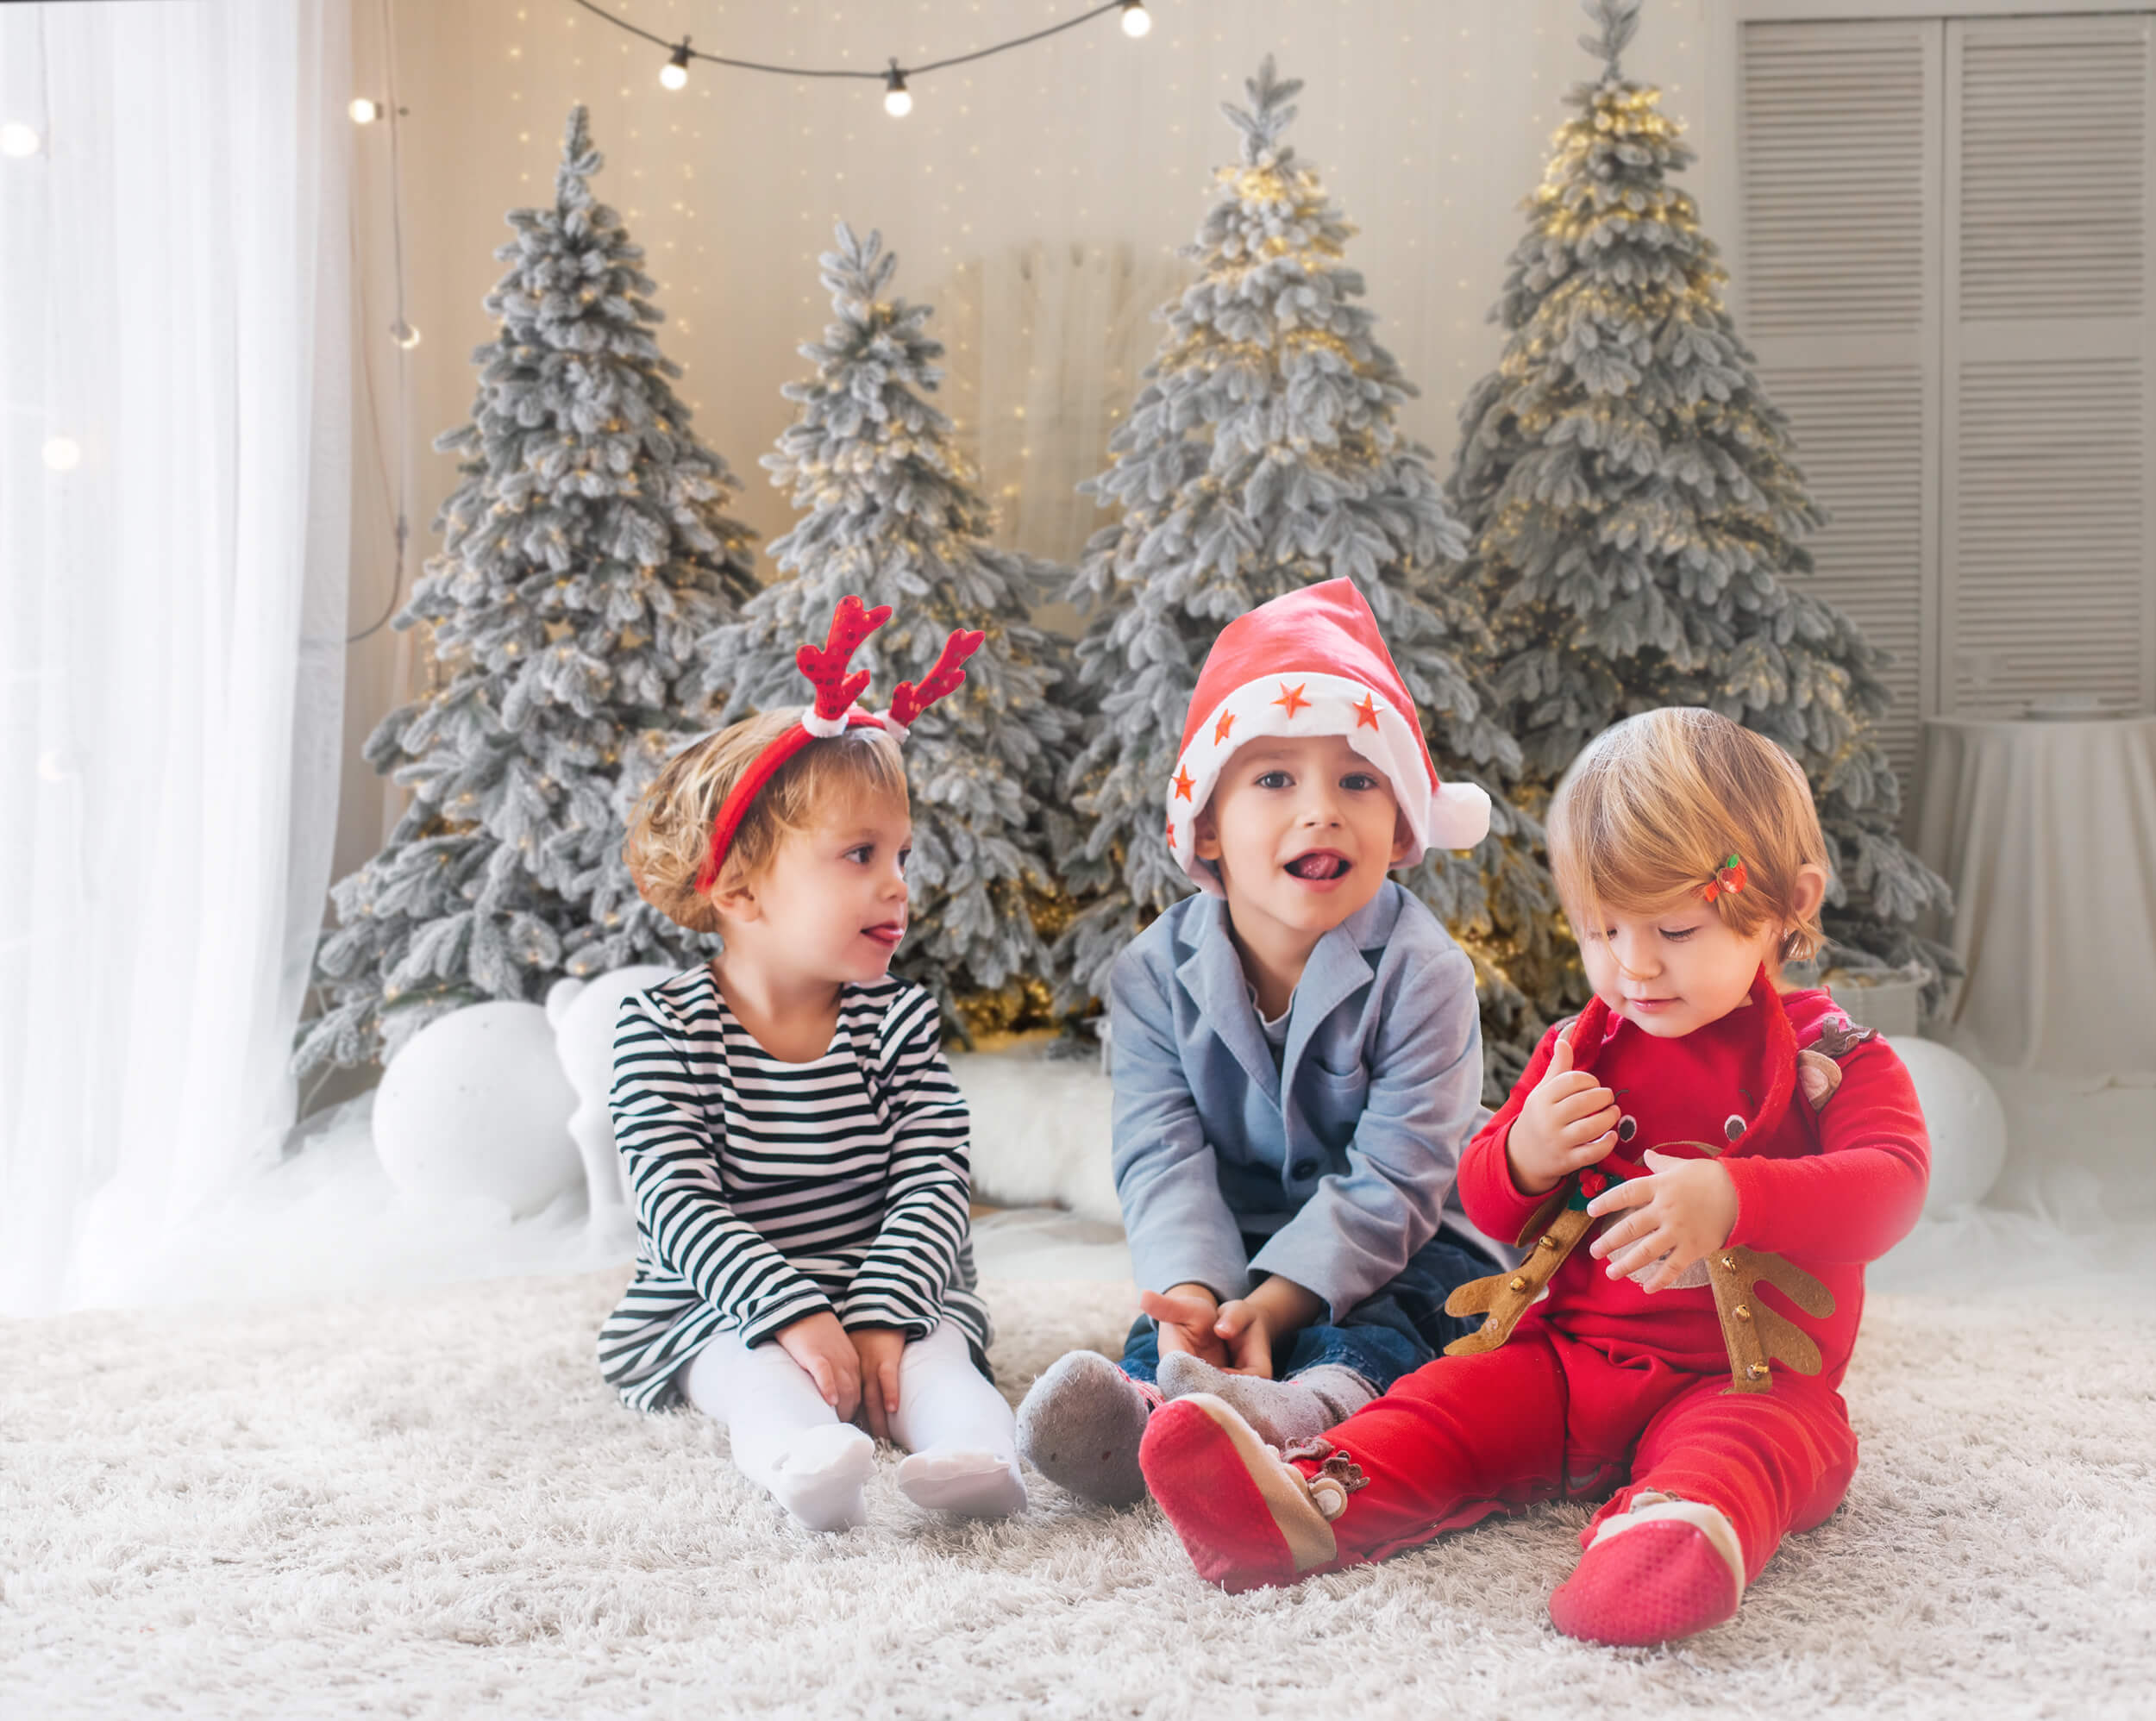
(1569, 1121)
(827, 1356)
(1187, 1314)
(1682, 1213)
(1251, 1326)
(1243, 1329)
(879, 1349)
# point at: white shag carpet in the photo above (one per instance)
(430, 1505)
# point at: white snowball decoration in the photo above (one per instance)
(582, 1014)
(1965, 1120)
(475, 1105)
(1040, 1130)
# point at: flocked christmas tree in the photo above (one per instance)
(583, 555)
(894, 516)
(1637, 514)
(1262, 454)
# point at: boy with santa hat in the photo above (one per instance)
(1297, 1059)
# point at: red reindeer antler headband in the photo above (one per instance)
(834, 710)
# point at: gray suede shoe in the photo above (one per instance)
(1281, 1412)
(1080, 1427)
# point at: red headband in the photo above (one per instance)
(834, 711)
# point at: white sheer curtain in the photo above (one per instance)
(174, 355)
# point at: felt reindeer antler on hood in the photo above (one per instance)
(834, 710)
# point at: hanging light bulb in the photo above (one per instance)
(675, 74)
(1136, 21)
(364, 111)
(62, 453)
(403, 334)
(18, 139)
(897, 100)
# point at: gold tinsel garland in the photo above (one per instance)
(1026, 1002)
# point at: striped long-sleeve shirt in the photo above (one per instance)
(767, 1190)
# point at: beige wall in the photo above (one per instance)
(1428, 119)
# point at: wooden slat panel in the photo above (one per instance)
(1841, 132)
(1834, 146)
(2050, 519)
(2052, 141)
(1860, 440)
(2049, 566)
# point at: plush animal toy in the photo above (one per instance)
(582, 1014)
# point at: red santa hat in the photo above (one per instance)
(1313, 663)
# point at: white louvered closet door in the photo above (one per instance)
(1841, 141)
(2049, 510)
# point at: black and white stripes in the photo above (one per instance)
(767, 1191)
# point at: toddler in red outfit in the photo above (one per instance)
(1694, 1108)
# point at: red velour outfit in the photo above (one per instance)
(1601, 1383)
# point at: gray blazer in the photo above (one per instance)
(1344, 1156)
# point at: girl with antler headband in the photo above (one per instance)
(1735, 1152)
(792, 1132)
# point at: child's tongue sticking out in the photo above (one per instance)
(1320, 866)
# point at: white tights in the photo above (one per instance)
(960, 1434)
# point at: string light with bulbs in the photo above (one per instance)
(898, 98)
(673, 76)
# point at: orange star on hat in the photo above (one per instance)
(1311, 662)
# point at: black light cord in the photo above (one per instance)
(403, 528)
(679, 54)
(883, 77)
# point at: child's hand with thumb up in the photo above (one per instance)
(1569, 1121)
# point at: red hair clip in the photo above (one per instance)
(835, 710)
(1728, 879)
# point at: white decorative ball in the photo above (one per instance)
(581, 1015)
(475, 1105)
(1966, 1123)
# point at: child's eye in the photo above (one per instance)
(863, 852)
(1358, 781)
(1276, 779)
(1679, 934)
(906, 856)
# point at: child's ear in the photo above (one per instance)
(1404, 845)
(733, 902)
(1204, 834)
(1808, 893)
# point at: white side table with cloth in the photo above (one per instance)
(2046, 830)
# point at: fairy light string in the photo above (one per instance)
(895, 77)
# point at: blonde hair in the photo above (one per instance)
(670, 831)
(1653, 806)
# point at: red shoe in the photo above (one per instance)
(1651, 1577)
(1246, 1518)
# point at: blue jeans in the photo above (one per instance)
(1393, 1333)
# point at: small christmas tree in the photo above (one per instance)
(1261, 456)
(1636, 514)
(583, 555)
(894, 517)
